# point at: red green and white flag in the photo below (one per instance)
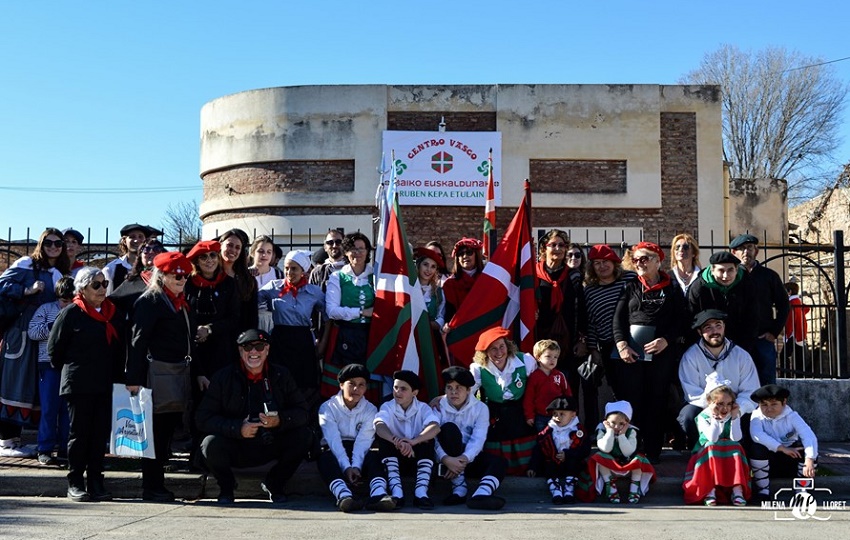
(400, 334)
(489, 206)
(504, 293)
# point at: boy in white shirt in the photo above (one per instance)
(781, 438)
(348, 431)
(406, 428)
(464, 422)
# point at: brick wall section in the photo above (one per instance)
(283, 177)
(578, 176)
(678, 213)
(292, 211)
(430, 121)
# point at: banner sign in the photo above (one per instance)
(445, 168)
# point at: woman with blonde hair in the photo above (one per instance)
(685, 265)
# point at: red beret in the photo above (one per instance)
(172, 262)
(649, 246)
(488, 337)
(423, 252)
(603, 252)
(469, 243)
(205, 246)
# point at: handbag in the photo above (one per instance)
(592, 369)
(170, 382)
(132, 423)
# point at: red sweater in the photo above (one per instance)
(541, 390)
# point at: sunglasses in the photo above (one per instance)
(53, 243)
(683, 247)
(333, 242)
(156, 249)
(574, 255)
(256, 346)
(207, 256)
(95, 285)
(643, 260)
(180, 277)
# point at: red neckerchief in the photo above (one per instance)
(177, 300)
(663, 282)
(77, 264)
(557, 297)
(107, 310)
(289, 287)
(200, 281)
(255, 377)
(146, 276)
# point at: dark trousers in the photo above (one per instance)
(90, 415)
(484, 464)
(571, 466)
(330, 470)
(645, 385)
(423, 450)
(222, 454)
(781, 465)
(589, 412)
(153, 470)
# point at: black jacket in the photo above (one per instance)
(77, 345)
(219, 308)
(664, 309)
(739, 304)
(228, 401)
(770, 293)
(160, 330)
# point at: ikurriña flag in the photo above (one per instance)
(489, 207)
(400, 334)
(504, 293)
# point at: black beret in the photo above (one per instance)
(352, 371)
(563, 404)
(722, 257)
(125, 230)
(770, 391)
(706, 315)
(409, 377)
(250, 336)
(460, 375)
(742, 239)
(78, 236)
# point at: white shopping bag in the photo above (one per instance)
(132, 423)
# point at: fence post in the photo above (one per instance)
(840, 304)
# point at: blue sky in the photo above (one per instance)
(104, 95)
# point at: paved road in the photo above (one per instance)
(54, 518)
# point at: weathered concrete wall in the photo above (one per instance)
(668, 136)
(759, 206)
(823, 404)
(836, 217)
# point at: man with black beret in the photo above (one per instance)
(133, 236)
(348, 431)
(464, 422)
(770, 303)
(714, 360)
(725, 285)
(253, 413)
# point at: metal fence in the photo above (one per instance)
(817, 267)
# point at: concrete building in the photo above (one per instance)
(644, 159)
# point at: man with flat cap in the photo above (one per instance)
(464, 422)
(132, 237)
(726, 286)
(771, 305)
(711, 361)
(73, 242)
(253, 413)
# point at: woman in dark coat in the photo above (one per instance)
(86, 344)
(647, 323)
(161, 350)
(234, 259)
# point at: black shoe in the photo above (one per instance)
(46, 459)
(485, 502)
(274, 498)
(226, 497)
(78, 494)
(348, 504)
(423, 503)
(161, 495)
(454, 500)
(399, 502)
(569, 499)
(380, 504)
(98, 491)
(558, 499)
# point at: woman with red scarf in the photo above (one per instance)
(469, 262)
(293, 301)
(86, 344)
(647, 323)
(161, 351)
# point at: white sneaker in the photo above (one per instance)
(12, 448)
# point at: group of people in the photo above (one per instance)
(265, 364)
